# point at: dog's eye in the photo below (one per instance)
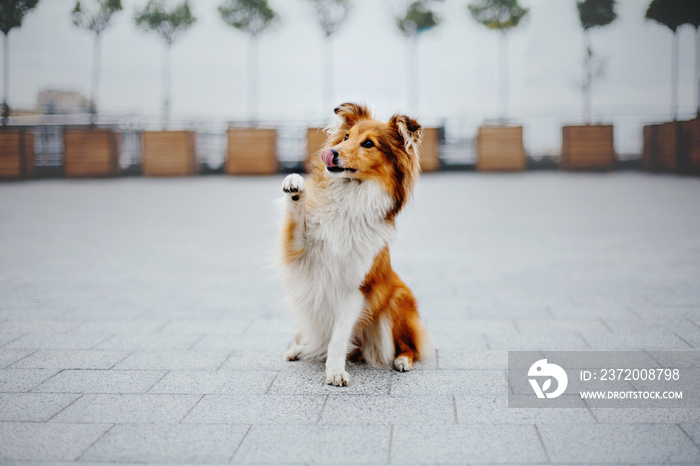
(367, 144)
(346, 137)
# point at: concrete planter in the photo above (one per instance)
(16, 153)
(672, 147)
(500, 148)
(90, 153)
(251, 151)
(588, 147)
(169, 153)
(650, 143)
(667, 139)
(690, 158)
(430, 150)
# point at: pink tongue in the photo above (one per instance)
(327, 157)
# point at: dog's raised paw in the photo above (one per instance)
(403, 364)
(339, 379)
(293, 184)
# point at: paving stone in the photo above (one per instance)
(609, 262)
(258, 360)
(493, 409)
(646, 415)
(602, 311)
(35, 407)
(448, 382)
(100, 381)
(57, 341)
(232, 328)
(23, 441)
(256, 409)
(510, 444)
(9, 356)
(23, 380)
(222, 382)
(300, 377)
(509, 312)
(488, 359)
(6, 338)
(125, 409)
(173, 360)
(71, 360)
(243, 344)
(37, 326)
(375, 409)
(545, 341)
(119, 327)
(638, 443)
(653, 339)
(149, 342)
(167, 443)
(693, 431)
(540, 326)
(315, 444)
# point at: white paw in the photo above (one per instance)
(402, 364)
(293, 353)
(339, 379)
(293, 184)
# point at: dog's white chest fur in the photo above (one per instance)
(345, 230)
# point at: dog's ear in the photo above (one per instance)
(410, 132)
(352, 113)
(346, 116)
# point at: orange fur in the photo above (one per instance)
(388, 296)
(389, 161)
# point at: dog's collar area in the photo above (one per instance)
(340, 170)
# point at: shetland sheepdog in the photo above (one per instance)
(335, 247)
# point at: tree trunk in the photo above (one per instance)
(674, 77)
(697, 71)
(253, 80)
(587, 78)
(95, 78)
(413, 82)
(328, 75)
(503, 79)
(5, 79)
(166, 84)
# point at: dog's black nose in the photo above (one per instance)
(335, 157)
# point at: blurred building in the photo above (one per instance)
(53, 101)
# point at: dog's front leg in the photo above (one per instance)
(347, 316)
(295, 221)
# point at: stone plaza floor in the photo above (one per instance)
(141, 321)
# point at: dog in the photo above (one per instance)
(335, 238)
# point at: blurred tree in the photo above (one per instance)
(672, 14)
(694, 20)
(11, 14)
(417, 18)
(95, 21)
(501, 15)
(593, 13)
(168, 24)
(251, 17)
(330, 15)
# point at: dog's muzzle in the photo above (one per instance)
(330, 157)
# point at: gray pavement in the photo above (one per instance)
(141, 322)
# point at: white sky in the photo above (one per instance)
(457, 61)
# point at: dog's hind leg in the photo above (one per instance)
(411, 340)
